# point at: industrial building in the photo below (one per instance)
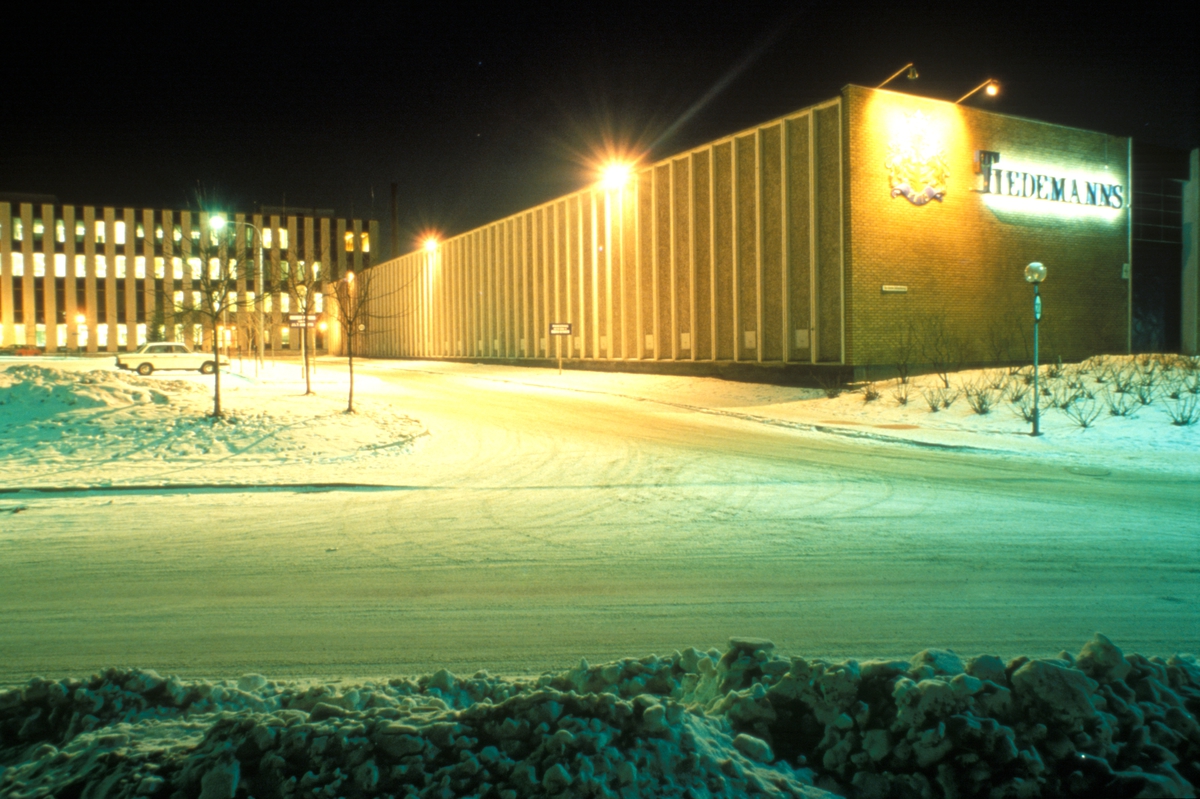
(875, 226)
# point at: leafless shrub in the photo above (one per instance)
(904, 346)
(1017, 391)
(997, 379)
(1062, 394)
(1054, 370)
(1024, 408)
(1173, 386)
(933, 398)
(941, 347)
(1122, 380)
(1083, 412)
(830, 383)
(900, 393)
(1120, 403)
(1144, 392)
(950, 396)
(1184, 411)
(1191, 383)
(870, 391)
(981, 397)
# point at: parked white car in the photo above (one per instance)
(153, 356)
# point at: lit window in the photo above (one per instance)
(39, 335)
(249, 299)
(196, 234)
(99, 231)
(119, 266)
(60, 265)
(39, 264)
(119, 231)
(316, 270)
(198, 335)
(194, 263)
(285, 337)
(366, 242)
(178, 299)
(80, 231)
(139, 267)
(232, 301)
(139, 230)
(285, 303)
(349, 238)
(60, 231)
(80, 266)
(122, 335)
(18, 232)
(160, 267)
(177, 233)
(19, 333)
(141, 334)
(18, 264)
(38, 228)
(196, 299)
(267, 303)
(81, 336)
(266, 238)
(101, 266)
(102, 335)
(318, 302)
(214, 268)
(61, 335)
(283, 238)
(179, 334)
(158, 232)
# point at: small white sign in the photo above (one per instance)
(890, 289)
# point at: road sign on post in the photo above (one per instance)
(302, 320)
(560, 329)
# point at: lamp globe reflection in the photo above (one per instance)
(1035, 273)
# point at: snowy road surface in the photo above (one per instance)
(537, 525)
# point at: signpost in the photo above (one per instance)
(560, 329)
(302, 320)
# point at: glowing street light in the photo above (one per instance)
(1035, 273)
(615, 175)
(431, 244)
(990, 87)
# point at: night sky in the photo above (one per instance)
(480, 111)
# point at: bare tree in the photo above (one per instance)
(351, 298)
(302, 280)
(210, 254)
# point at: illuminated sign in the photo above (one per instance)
(916, 161)
(1041, 186)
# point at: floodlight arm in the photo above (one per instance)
(912, 74)
(984, 85)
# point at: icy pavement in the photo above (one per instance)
(739, 723)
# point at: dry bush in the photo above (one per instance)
(933, 398)
(1184, 411)
(900, 393)
(981, 397)
(1119, 403)
(1083, 412)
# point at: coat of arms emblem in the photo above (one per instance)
(916, 163)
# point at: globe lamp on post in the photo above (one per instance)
(1035, 273)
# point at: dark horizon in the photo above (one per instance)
(479, 114)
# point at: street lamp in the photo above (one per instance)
(990, 87)
(912, 74)
(217, 223)
(1035, 273)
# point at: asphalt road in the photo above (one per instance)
(535, 527)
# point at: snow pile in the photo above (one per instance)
(52, 418)
(745, 722)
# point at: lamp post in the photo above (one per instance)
(217, 223)
(1035, 273)
(991, 87)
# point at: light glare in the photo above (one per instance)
(615, 175)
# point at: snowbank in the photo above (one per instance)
(744, 722)
(57, 421)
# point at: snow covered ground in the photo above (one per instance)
(743, 720)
